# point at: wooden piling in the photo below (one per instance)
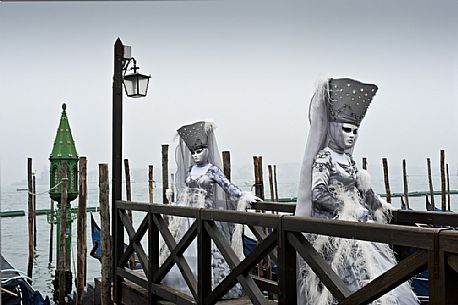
(448, 189)
(105, 234)
(51, 230)
(430, 180)
(81, 232)
(271, 183)
(150, 183)
(386, 179)
(364, 163)
(275, 183)
(227, 164)
(443, 183)
(34, 213)
(258, 183)
(30, 216)
(406, 185)
(62, 259)
(128, 188)
(165, 172)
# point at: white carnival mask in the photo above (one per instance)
(200, 156)
(349, 135)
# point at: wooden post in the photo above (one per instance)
(30, 216)
(364, 163)
(150, 183)
(128, 189)
(62, 259)
(271, 183)
(406, 186)
(105, 234)
(448, 188)
(385, 177)
(431, 189)
(34, 213)
(165, 171)
(81, 232)
(275, 183)
(51, 230)
(227, 164)
(172, 186)
(259, 190)
(259, 185)
(442, 167)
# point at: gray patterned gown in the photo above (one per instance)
(336, 194)
(200, 192)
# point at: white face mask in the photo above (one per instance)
(200, 156)
(349, 135)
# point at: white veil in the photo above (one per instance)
(316, 140)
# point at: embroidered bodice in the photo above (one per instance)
(201, 189)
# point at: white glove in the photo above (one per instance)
(362, 214)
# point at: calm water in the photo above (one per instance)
(14, 244)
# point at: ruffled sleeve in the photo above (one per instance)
(217, 175)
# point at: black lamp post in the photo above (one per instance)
(136, 85)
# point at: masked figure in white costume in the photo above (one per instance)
(332, 187)
(201, 183)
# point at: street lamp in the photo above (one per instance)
(136, 85)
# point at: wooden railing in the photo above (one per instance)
(437, 248)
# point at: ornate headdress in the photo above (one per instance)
(348, 100)
(195, 135)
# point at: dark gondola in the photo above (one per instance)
(15, 288)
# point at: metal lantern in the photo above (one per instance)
(136, 84)
(63, 149)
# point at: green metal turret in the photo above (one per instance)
(64, 149)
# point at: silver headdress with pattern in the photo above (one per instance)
(194, 135)
(348, 100)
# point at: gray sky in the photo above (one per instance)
(251, 66)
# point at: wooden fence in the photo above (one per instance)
(437, 248)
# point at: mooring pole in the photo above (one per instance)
(443, 187)
(128, 187)
(271, 183)
(81, 232)
(386, 179)
(63, 267)
(51, 230)
(364, 163)
(165, 172)
(30, 216)
(34, 213)
(276, 184)
(227, 164)
(430, 180)
(150, 183)
(406, 185)
(448, 188)
(105, 234)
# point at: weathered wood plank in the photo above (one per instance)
(136, 239)
(137, 246)
(232, 260)
(243, 267)
(393, 234)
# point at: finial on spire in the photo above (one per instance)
(64, 106)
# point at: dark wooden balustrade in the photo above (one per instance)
(437, 249)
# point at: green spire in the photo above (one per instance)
(64, 146)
